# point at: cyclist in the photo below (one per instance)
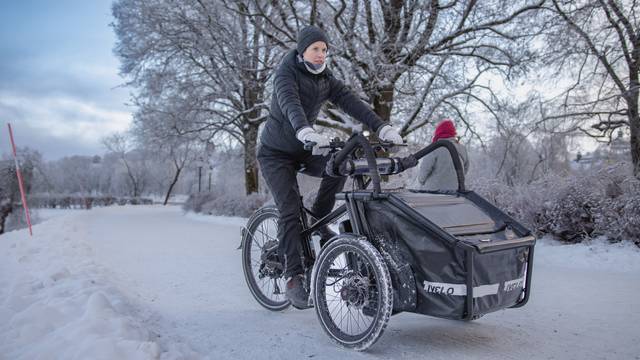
(302, 83)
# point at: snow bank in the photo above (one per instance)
(55, 302)
(596, 254)
(150, 282)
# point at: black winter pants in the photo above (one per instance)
(279, 170)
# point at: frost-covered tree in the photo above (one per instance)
(596, 45)
(519, 149)
(171, 152)
(203, 57)
(10, 199)
(413, 60)
(8, 189)
(74, 175)
(134, 161)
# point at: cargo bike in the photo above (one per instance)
(448, 254)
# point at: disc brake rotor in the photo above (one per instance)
(354, 291)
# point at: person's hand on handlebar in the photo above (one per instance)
(389, 134)
(320, 143)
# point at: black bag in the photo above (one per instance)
(452, 242)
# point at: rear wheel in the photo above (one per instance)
(262, 267)
(352, 292)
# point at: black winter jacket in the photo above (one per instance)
(297, 97)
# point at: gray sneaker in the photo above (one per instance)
(296, 293)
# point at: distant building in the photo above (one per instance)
(619, 149)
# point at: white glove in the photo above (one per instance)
(387, 133)
(307, 134)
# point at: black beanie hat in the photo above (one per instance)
(308, 35)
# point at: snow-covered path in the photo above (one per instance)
(178, 280)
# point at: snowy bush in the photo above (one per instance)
(619, 217)
(570, 215)
(226, 204)
(81, 201)
(631, 219)
(600, 202)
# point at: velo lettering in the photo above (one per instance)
(440, 289)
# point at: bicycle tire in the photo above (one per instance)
(366, 288)
(262, 227)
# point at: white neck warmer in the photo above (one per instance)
(312, 68)
(315, 71)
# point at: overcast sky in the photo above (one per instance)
(59, 83)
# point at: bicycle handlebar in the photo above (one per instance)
(339, 166)
(335, 165)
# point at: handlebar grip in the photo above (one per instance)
(309, 145)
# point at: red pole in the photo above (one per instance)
(20, 184)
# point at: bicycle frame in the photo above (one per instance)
(307, 230)
(349, 207)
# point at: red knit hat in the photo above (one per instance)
(445, 129)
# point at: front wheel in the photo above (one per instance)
(352, 292)
(262, 267)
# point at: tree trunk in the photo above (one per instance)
(631, 97)
(173, 183)
(5, 210)
(252, 91)
(132, 178)
(250, 134)
(634, 126)
(383, 101)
